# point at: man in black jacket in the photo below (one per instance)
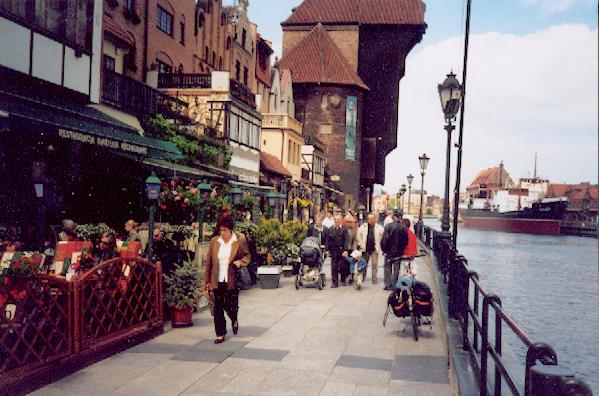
(336, 247)
(393, 243)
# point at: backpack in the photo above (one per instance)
(398, 302)
(423, 299)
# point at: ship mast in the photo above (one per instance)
(535, 174)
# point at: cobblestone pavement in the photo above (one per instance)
(290, 342)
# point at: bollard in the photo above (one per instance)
(575, 387)
(548, 380)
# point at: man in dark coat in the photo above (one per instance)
(393, 244)
(336, 247)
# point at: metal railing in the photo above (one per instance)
(182, 80)
(243, 93)
(283, 121)
(136, 97)
(471, 304)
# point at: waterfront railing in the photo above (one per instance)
(477, 310)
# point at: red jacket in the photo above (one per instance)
(412, 246)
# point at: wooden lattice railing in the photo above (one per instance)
(35, 323)
(117, 298)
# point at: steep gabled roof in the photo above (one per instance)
(272, 164)
(316, 59)
(394, 12)
(492, 176)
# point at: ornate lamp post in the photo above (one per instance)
(402, 191)
(410, 180)
(423, 164)
(153, 185)
(204, 190)
(272, 198)
(450, 93)
(236, 195)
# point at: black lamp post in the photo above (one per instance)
(423, 164)
(152, 194)
(272, 198)
(450, 93)
(236, 195)
(39, 193)
(282, 202)
(410, 180)
(204, 190)
(402, 191)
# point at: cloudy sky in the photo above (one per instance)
(532, 87)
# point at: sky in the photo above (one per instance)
(532, 87)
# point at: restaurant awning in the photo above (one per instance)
(272, 164)
(171, 169)
(252, 186)
(78, 122)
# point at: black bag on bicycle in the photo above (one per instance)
(243, 279)
(398, 302)
(423, 299)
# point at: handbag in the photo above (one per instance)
(243, 280)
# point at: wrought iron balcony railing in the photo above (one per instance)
(138, 98)
(243, 93)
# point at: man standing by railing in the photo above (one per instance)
(393, 244)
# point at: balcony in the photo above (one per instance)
(181, 80)
(135, 97)
(281, 121)
(243, 93)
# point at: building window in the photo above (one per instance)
(109, 63)
(220, 63)
(234, 127)
(206, 53)
(243, 37)
(223, 19)
(256, 134)
(289, 150)
(245, 76)
(129, 5)
(213, 58)
(182, 36)
(163, 68)
(228, 43)
(164, 21)
(237, 70)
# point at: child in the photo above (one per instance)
(357, 267)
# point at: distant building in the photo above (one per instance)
(489, 181)
(582, 199)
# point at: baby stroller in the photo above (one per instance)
(310, 267)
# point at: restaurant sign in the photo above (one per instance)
(102, 141)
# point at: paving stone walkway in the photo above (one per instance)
(290, 342)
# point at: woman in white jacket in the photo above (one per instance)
(369, 243)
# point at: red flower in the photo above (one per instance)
(162, 206)
(16, 264)
(183, 205)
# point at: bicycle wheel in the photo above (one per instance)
(415, 326)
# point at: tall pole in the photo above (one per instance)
(421, 198)
(458, 178)
(151, 227)
(445, 219)
(409, 196)
(402, 201)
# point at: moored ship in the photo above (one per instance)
(496, 203)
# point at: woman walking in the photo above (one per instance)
(226, 251)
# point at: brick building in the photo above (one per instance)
(351, 48)
(241, 42)
(210, 30)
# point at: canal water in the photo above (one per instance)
(549, 285)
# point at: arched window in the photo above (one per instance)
(237, 70)
(228, 43)
(206, 54)
(201, 20)
(213, 58)
(223, 19)
(220, 63)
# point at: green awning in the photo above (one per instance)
(82, 123)
(171, 169)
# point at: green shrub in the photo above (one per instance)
(183, 286)
(282, 240)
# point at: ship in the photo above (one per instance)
(496, 203)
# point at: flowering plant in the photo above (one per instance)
(303, 202)
(178, 193)
(85, 262)
(186, 231)
(19, 269)
(91, 232)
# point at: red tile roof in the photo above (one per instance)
(112, 27)
(576, 193)
(394, 12)
(316, 59)
(491, 176)
(272, 164)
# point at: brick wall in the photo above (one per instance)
(312, 112)
(135, 30)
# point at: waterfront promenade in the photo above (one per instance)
(290, 342)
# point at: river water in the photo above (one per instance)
(549, 285)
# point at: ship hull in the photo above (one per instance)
(526, 226)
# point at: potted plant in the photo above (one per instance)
(183, 293)
(14, 280)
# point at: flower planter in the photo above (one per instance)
(12, 296)
(287, 271)
(269, 276)
(181, 317)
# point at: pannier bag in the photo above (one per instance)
(423, 299)
(398, 302)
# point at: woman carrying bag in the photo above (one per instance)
(227, 252)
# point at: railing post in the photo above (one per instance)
(497, 347)
(475, 308)
(538, 351)
(77, 315)
(484, 351)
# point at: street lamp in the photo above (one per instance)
(423, 164)
(271, 198)
(236, 195)
(410, 180)
(153, 184)
(204, 190)
(402, 191)
(450, 93)
(282, 201)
